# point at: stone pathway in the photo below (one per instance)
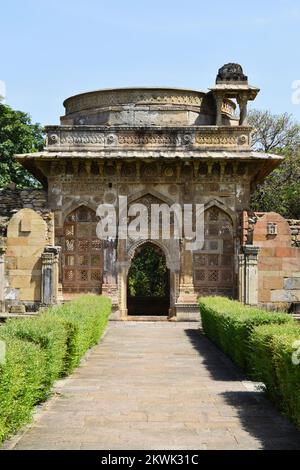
(157, 386)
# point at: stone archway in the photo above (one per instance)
(148, 282)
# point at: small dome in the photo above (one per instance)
(231, 73)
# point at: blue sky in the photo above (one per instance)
(53, 49)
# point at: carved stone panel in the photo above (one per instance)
(82, 253)
(214, 264)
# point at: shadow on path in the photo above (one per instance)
(257, 416)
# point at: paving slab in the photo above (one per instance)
(156, 385)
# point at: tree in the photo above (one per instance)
(280, 192)
(148, 274)
(17, 135)
(274, 132)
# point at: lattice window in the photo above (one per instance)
(200, 260)
(83, 245)
(217, 256)
(213, 260)
(200, 275)
(213, 276)
(96, 275)
(83, 275)
(70, 260)
(82, 251)
(96, 245)
(83, 260)
(95, 260)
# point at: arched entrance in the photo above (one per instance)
(82, 252)
(148, 282)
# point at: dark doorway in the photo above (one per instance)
(148, 289)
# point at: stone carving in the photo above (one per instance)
(149, 170)
(128, 170)
(172, 189)
(216, 140)
(109, 98)
(75, 138)
(231, 73)
(149, 139)
(127, 138)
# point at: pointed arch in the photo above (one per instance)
(220, 205)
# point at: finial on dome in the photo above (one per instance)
(231, 73)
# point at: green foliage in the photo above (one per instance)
(39, 350)
(230, 323)
(47, 333)
(261, 343)
(17, 135)
(274, 132)
(271, 351)
(21, 379)
(280, 191)
(148, 275)
(84, 319)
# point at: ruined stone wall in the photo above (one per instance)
(278, 261)
(27, 227)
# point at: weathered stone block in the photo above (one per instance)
(281, 295)
(292, 283)
(273, 282)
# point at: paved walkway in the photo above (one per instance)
(157, 386)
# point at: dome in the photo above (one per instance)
(142, 107)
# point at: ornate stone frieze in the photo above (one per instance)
(89, 137)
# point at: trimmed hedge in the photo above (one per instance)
(229, 324)
(83, 331)
(271, 351)
(261, 343)
(21, 383)
(48, 333)
(41, 349)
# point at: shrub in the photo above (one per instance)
(271, 356)
(229, 324)
(287, 374)
(39, 350)
(48, 333)
(84, 319)
(21, 382)
(261, 343)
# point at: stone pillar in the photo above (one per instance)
(242, 102)
(123, 268)
(241, 278)
(49, 287)
(250, 280)
(2, 277)
(186, 305)
(110, 281)
(219, 103)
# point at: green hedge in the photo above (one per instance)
(21, 383)
(83, 331)
(229, 324)
(271, 351)
(41, 349)
(261, 343)
(49, 334)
